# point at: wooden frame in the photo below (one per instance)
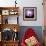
(30, 13)
(0, 19)
(6, 24)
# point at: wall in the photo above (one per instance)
(26, 3)
(30, 3)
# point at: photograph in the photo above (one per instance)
(30, 13)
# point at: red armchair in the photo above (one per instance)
(28, 34)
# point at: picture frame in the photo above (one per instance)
(29, 13)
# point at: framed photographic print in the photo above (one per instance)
(30, 13)
(5, 12)
(7, 34)
(9, 20)
(12, 20)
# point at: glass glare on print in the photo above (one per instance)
(29, 13)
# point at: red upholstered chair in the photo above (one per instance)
(29, 33)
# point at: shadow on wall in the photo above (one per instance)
(37, 29)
